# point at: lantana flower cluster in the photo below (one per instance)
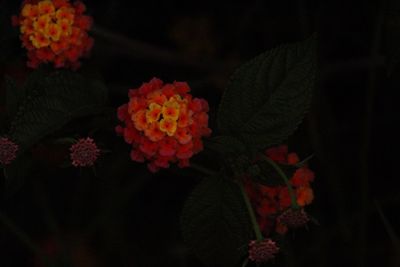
(272, 203)
(164, 124)
(54, 31)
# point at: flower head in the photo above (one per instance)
(8, 151)
(163, 123)
(262, 251)
(84, 152)
(270, 201)
(293, 218)
(54, 31)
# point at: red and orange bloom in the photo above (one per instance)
(164, 124)
(54, 27)
(271, 201)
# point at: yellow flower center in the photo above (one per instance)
(162, 115)
(45, 24)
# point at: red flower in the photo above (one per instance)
(262, 251)
(8, 151)
(54, 31)
(278, 154)
(270, 201)
(84, 152)
(302, 176)
(163, 123)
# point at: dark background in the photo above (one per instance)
(125, 216)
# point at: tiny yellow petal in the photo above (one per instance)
(154, 113)
(46, 7)
(168, 126)
(42, 23)
(26, 10)
(53, 31)
(65, 26)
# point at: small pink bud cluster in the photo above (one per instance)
(8, 151)
(84, 152)
(262, 251)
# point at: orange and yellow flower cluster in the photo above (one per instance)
(54, 31)
(271, 201)
(164, 124)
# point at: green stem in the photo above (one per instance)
(94, 171)
(285, 179)
(304, 161)
(22, 236)
(65, 140)
(245, 262)
(250, 210)
(5, 174)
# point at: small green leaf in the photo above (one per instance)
(267, 97)
(215, 223)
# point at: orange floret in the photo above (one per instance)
(29, 11)
(46, 7)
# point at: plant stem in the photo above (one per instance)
(250, 210)
(285, 179)
(304, 161)
(141, 50)
(5, 174)
(245, 262)
(65, 140)
(22, 236)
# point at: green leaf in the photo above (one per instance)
(51, 102)
(225, 145)
(215, 223)
(267, 97)
(14, 96)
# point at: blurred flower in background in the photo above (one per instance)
(54, 31)
(73, 250)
